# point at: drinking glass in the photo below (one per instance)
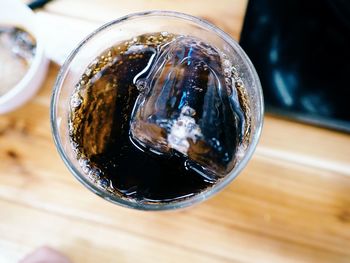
(126, 28)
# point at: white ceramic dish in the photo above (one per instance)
(15, 13)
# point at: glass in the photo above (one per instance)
(121, 30)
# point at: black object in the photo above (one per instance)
(37, 4)
(301, 51)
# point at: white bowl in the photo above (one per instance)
(14, 13)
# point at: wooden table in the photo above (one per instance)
(290, 204)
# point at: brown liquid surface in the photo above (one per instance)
(102, 106)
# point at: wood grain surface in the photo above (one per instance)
(290, 204)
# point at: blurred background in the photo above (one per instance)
(301, 52)
(290, 204)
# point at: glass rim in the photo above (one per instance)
(197, 198)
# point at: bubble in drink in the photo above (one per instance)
(158, 118)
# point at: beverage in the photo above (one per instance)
(159, 118)
(157, 110)
(17, 51)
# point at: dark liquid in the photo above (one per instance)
(100, 122)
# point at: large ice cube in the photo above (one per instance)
(186, 107)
